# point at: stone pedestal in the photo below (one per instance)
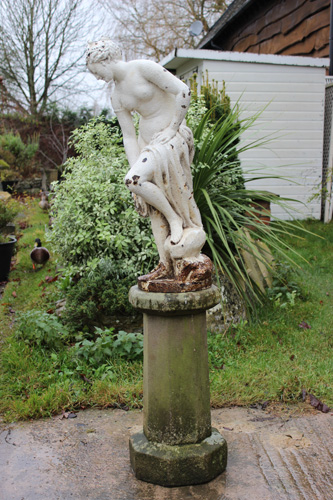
(177, 446)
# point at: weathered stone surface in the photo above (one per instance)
(30, 185)
(177, 446)
(87, 457)
(176, 391)
(189, 276)
(4, 196)
(230, 310)
(176, 379)
(178, 465)
(174, 303)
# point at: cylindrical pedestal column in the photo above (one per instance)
(176, 385)
(177, 445)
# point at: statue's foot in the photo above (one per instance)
(159, 272)
(176, 230)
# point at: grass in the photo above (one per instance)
(28, 289)
(274, 358)
(270, 359)
(38, 386)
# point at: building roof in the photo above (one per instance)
(236, 8)
(179, 56)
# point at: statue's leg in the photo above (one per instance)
(160, 230)
(138, 181)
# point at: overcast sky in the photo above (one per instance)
(95, 94)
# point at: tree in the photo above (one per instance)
(38, 49)
(152, 28)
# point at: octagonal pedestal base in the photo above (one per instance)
(178, 465)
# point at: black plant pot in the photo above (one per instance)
(6, 252)
(8, 186)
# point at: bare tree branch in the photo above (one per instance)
(39, 46)
(152, 28)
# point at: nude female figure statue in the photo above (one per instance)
(160, 156)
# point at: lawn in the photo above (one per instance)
(288, 348)
(285, 350)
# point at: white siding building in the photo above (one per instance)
(291, 92)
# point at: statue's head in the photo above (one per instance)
(102, 50)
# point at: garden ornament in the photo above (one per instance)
(44, 204)
(160, 156)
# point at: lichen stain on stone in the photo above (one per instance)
(177, 465)
(166, 303)
(214, 439)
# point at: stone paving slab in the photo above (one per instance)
(270, 458)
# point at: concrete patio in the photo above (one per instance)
(283, 456)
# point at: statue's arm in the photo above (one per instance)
(172, 85)
(130, 140)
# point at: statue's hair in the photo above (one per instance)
(102, 50)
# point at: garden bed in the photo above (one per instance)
(278, 357)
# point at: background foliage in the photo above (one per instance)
(94, 216)
(16, 157)
(99, 294)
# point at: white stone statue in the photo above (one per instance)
(159, 157)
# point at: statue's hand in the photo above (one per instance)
(164, 136)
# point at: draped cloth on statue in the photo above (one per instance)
(172, 175)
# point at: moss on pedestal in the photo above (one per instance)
(174, 303)
(177, 446)
(176, 379)
(178, 465)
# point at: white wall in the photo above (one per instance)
(292, 100)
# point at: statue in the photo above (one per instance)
(159, 157)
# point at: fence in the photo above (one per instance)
(327, 202)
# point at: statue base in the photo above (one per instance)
(190, 275)
(179, 465)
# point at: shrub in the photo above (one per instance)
(15, 152)
(94, 216)
(229, 212)
(41, 329)
(213, 98)
(8, 211)
(99, 293)
(215, 104)
(284, 290)
(106, 346)
(128, 346)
